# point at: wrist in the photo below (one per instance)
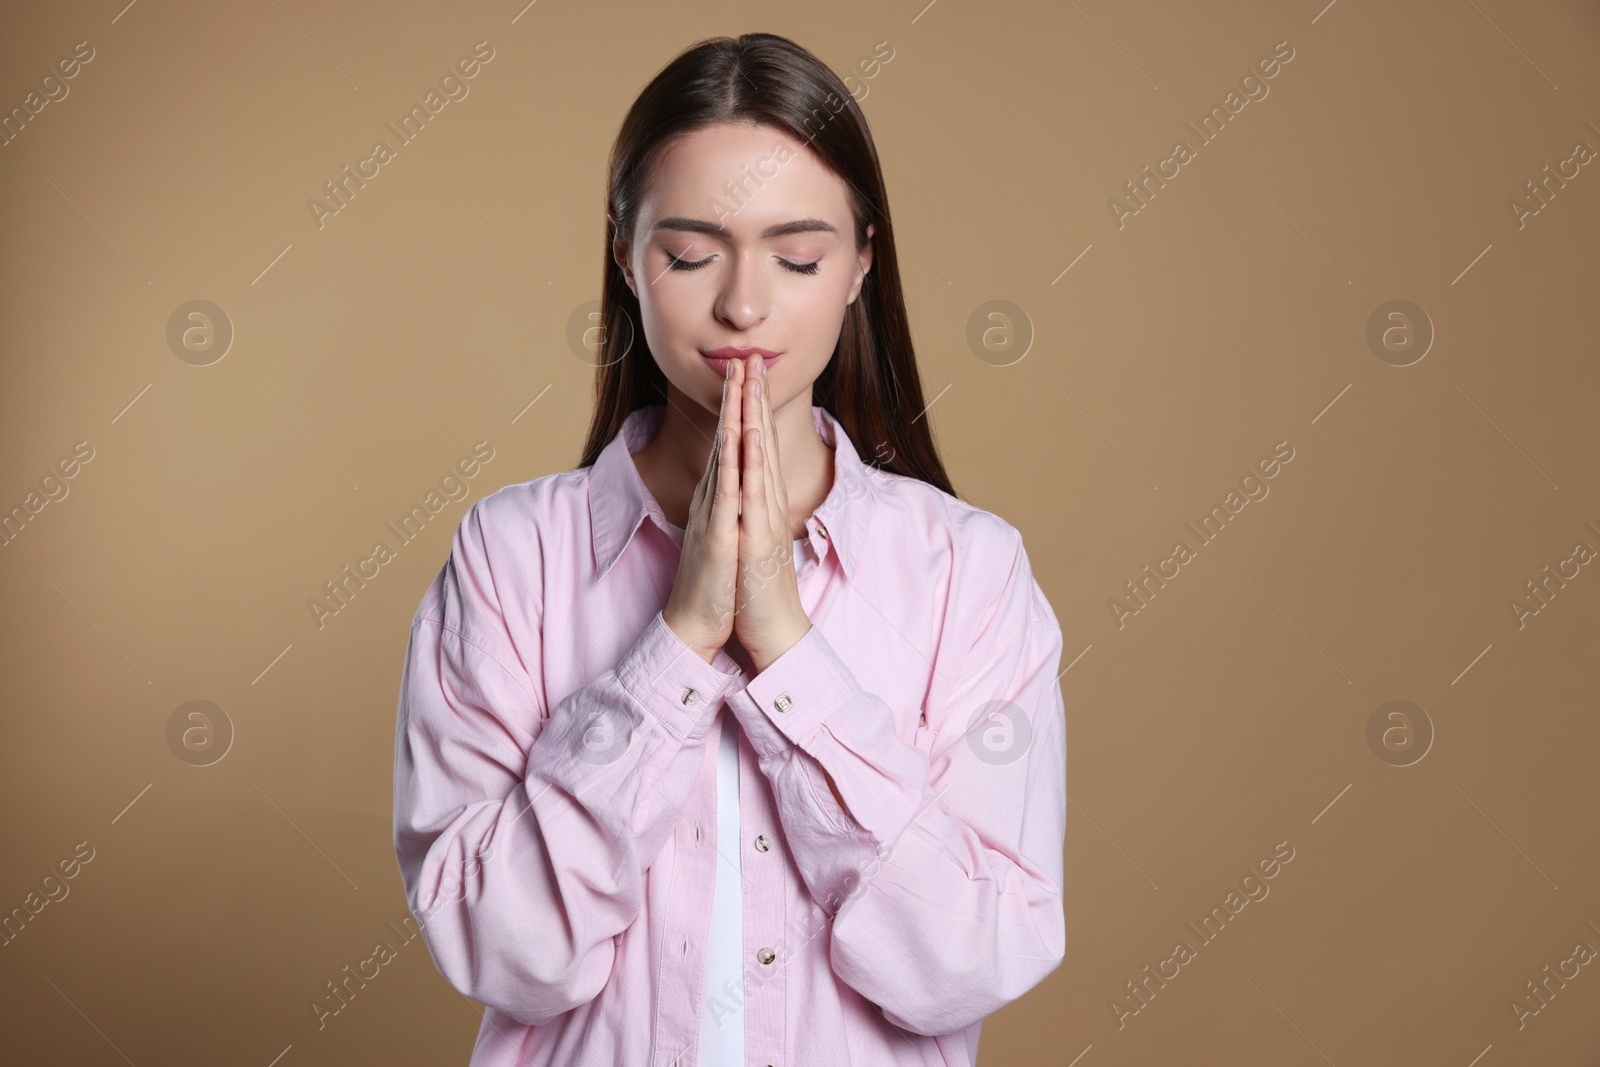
(765, 658)
(707, 654)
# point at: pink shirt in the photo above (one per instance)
(555, 779)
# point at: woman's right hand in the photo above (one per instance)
(701, 607)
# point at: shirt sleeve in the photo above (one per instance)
(523, 832)
(944, 874)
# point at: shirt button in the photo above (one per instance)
(821, 529)
(690, 697)
(763, 842)
(782, 703)
(922, 720)
(766, 955)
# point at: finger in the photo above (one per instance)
(734, 417)
(709, 475)
(707, 484)
(780, 493)
(726, 508)
(777, 504)
(754, 400)
(772, 449)
(757, 519)
(725, 409)
(769, 552)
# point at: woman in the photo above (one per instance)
(730, 746)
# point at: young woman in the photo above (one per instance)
(739, 743)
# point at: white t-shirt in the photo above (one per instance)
(721, 1015)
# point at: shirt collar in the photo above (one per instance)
(619, 501)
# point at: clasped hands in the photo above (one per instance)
(736, 572)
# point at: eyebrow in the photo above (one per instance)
(782, 229)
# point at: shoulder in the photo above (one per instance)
(498, 551)
(511, 514)
(985, 554)
(911, 508)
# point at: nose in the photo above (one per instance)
(743, 302)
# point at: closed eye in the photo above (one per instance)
(679, 263)
(674, 263)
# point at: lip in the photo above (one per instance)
(719, 358)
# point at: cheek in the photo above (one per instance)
(829, 307)
(667, 307)
(819, 314)
(823, 297)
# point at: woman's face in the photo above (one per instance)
(743, 239)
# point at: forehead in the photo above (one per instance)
(749, 175)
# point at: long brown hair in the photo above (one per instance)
(871, 385)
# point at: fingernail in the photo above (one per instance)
(758, 438)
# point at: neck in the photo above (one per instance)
(672, 463)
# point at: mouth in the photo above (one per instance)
(719, 358)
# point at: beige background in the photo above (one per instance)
(1228, 315)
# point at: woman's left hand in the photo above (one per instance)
(768, 617)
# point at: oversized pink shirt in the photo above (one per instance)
(555, 779)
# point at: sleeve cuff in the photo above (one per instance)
(800, 689)
(670, 680)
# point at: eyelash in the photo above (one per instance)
(674, 263)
